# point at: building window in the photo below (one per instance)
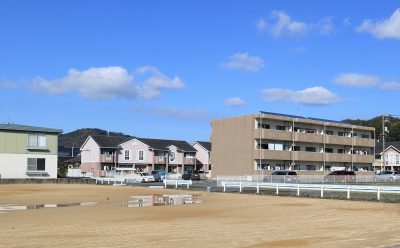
(127, 154)
(365, 136)
(141, 155)
(340, 151)
(329, 150)
(263, 167)
(171, 156)
(397, 159)
(107, 155)
(310, 167)
(281, 128)
(276, 147)
(329, 132)
(36, 164)
(310, 149)
(36, 140)
(296, 148)
(263, 126)
(310, 131)
(341, 134)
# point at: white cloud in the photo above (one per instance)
(390, 86)
(244, 62)
(260, 24)
(234, 102)
(325, 26)
(356, 80)
(309, 96)
(177, 113)
(9, 86)
(109, 82)
(285, 25)
(346, 21)
(387, 28)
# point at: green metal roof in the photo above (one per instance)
(23, 128)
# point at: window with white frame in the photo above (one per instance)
(127, 154)
(36, 164)
(37, 140)
(141, 155)
(397, 159)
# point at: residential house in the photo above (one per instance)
(391, 155)
(99, 153)
(247, 145)
(203, 161)
(28, 152)
(145, 155)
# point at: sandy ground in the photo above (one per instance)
(223, 220)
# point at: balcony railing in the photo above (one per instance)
(188, 160)
(159, 160)
(107, 158)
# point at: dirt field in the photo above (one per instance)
(223, 220)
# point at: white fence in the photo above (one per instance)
(310, 179)
(186, 183)
(312, 187)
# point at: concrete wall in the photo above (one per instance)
(233, 145)
(16, 165)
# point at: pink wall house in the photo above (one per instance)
(203, 149)
(99, 154)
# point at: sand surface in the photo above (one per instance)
(222, 220)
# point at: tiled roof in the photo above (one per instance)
(15, 127)
(205, 144)
(110, 141)
(378, 146)
(160, 144)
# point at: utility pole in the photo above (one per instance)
(384, 119)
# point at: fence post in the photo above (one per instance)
(258, 188)
(379, 194)
(165, 183)
(176, 184)
(348, 192)
(298, 190)
(188, 183)
(277, 189)
(240, 187)
(322, 191)
(224, 184)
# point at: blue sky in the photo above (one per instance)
(165, 69)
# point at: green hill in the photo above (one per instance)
(393, 126)
(77, 137)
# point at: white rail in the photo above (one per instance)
(177, 182)
(315, 187)
(110, 180)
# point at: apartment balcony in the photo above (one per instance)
(338, 157)
(107, 159)
(159, 160)
(308, 156)
(271, 134)
(188, 161)
(365, 159)
(338, 140)
(308, 137)
(272, 155)
(364, 142)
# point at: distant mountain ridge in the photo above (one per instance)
(393, 126)
(77, 137)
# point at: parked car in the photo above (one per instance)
(158, 175)
(191, 175)
(282, 177)
(387, 176)
(341, 176)
(144, 177)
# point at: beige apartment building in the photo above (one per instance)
(250, 144)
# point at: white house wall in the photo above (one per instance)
(16, 165)
(134, 146)
(90, 151)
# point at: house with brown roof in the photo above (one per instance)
(203, 161)
(99, 153)
(145, 155)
